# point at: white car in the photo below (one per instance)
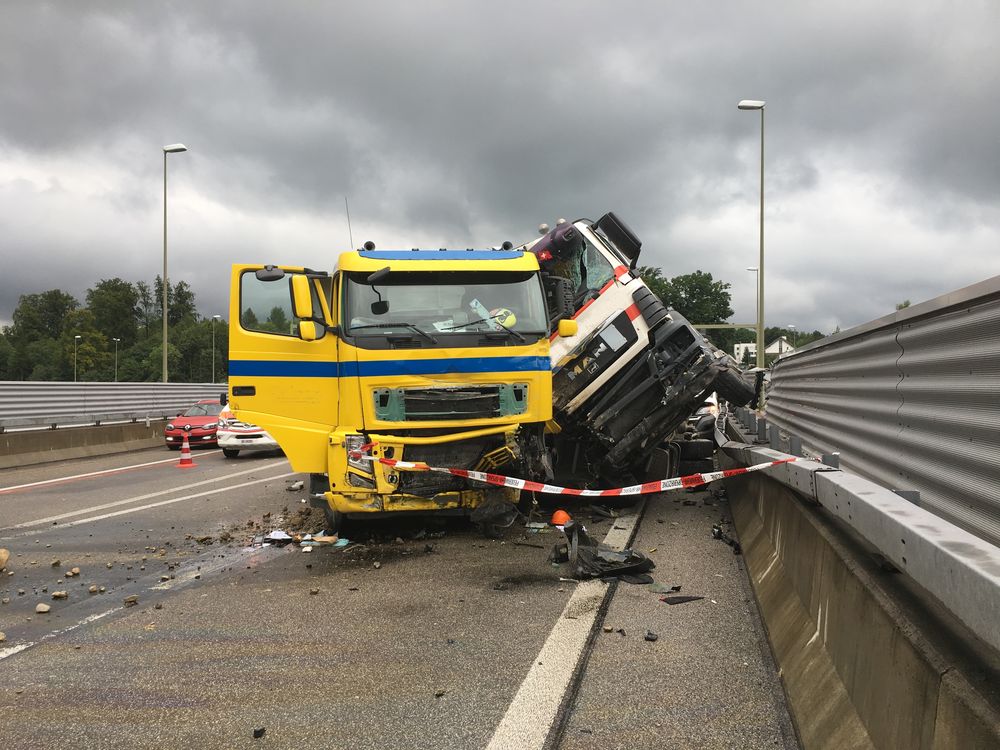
(235, 436)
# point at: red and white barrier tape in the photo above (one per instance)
(675, 483)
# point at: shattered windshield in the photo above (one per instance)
(431, 305)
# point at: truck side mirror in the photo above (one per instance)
(224, 398)
(568, 327)
(302, 297)
(310, 330)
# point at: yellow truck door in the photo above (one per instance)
(278, 377)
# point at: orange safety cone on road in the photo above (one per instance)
(561, 518)
(186, 461)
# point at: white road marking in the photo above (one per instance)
(530, 716)
(4, 653)
(57, 480)
(150, 505)
(136, 499)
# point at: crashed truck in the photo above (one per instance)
(551, 362)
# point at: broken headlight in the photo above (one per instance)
(358, 453)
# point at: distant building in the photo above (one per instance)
(747, 353)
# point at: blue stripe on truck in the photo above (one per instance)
(301, 369)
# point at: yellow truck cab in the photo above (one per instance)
(434, 356)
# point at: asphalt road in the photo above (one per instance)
(418, 635)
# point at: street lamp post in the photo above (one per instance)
(751, 104)
(214, 318)
(117, 341)
(76, 341)
(756, 270)
(794, 336)
(174, 148)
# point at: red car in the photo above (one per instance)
(200, 422)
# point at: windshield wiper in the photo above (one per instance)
(411, 326)
(493, 319)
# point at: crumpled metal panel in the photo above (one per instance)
(38, 404)
(911, 402)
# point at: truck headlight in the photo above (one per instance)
(358, 453)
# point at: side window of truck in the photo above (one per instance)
(266, 306)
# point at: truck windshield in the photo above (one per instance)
(443, 304)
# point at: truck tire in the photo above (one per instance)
(695, 466)
(732, 387)
(230, 452)
(695, 449)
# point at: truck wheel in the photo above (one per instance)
(693, 449)
(732, 387)
(230, 452)
(334, 519)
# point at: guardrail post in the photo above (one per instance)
(762, 429)
(831, 459)
(774, 436)
(912, 496)
(752, 422)
(795, 445)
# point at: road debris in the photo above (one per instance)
(42, 608)
(718, 533)
(130, 601)
(3, 636)
(60, 595)
(590, 559)
(664, 588)
(295, 486)
(56, 563)
(313, 591)
(680, 599)
(258, 733)
(439, 693)
(651, 636)
(4, 557)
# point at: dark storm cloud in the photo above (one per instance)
(462, 123)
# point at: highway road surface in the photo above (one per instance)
(419, 634)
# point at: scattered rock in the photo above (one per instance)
(439, 693)
(102, 589)
(92, 589)
(3, 636)
(56, 563)
(4, 557)
(158, 605)
(20, 592)
(651, 636)
(313, 592)
(204, 540)
(295, 486)
(376, 565)
(42, 608)
(5, 600)
(307, 549)
(608, 629)
(60, 595)
(75, 571)
(164, 577)
(130, 601)
(110, 565)
(258, 733)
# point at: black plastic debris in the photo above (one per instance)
(680, 599)
(635, 578)
(591, 559)
(718, 533)
(665, 588)
(258, 733)
(651, 636)
(494, 515)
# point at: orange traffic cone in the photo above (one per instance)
(186, 461)
(561, 518)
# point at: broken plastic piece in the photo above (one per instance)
(590, 559)
(680, 599)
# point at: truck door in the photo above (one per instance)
(278, 377)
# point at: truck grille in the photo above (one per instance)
(464, 454)
(457, 402)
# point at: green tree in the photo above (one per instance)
(697, 296)
(903, 305)
(114, 304)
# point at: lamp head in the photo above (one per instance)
(174, 148)
(751, 104)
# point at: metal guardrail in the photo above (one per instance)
(910, 401)
(959, 569)
(38, 405)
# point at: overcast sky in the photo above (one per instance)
(464, 124)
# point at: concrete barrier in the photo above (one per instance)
(867, 659)
(42, 446)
